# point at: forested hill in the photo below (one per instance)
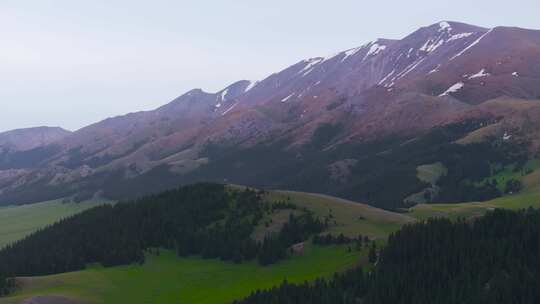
(210, 220)
(491, 260)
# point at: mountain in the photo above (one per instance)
(305, 121)
(31, 138)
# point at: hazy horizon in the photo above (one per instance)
(72, 64)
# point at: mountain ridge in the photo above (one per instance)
(434, 76)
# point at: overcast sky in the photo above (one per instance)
(71, 63)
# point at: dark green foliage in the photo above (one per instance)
(296, 230)
(275, 166)
(387, 163)
(7, 285)
(282, 205)
(513, 186)
(372, 254)
(82, 196)
(380, 172)
(472, 163)
(38, 192)
(201, 219)
(271, 251)
(341, 239)
(444, 262)
(344, 288)
(386, 174)
(324, 134)
(491, 260)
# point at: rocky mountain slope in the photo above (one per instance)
(24, 148)
(31, 138)
(441, 74)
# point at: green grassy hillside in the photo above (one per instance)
(351, 218)
(169, 279)
(528, 197)
(16, 222)
(431, 173)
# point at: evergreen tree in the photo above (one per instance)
(491, 260)
(202, 219)
(372, 255)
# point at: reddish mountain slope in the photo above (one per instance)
(439, 74)
(27, 139)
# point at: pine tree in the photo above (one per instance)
(372, 254)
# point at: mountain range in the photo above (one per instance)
(313, 126)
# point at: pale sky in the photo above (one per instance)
(70, 63)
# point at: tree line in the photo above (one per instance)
(204, 219)
(7, 285)
(493, 259)
(374, 165)
(365, 170)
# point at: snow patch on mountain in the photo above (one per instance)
(456, 87)
(482, 73)
(409, 69)
(224, 94)
(431, 45)
(434, 43)
(310, 64)
(435, 70)
(471, 45)
(459, 36)
(444, 26)
(287, 98)
(334, 55)
(351, 52)
(229, 109)
(251, 85)
(375, 49)
(387, 76)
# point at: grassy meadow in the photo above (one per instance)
(16, 222)
(351, 218)
(169, 279)
(166, 278)
(528, 197)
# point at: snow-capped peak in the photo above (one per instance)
(374, 49)
(444, 26)
(251, 85)
(332, 56)
(310, 64)
(351, 52)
